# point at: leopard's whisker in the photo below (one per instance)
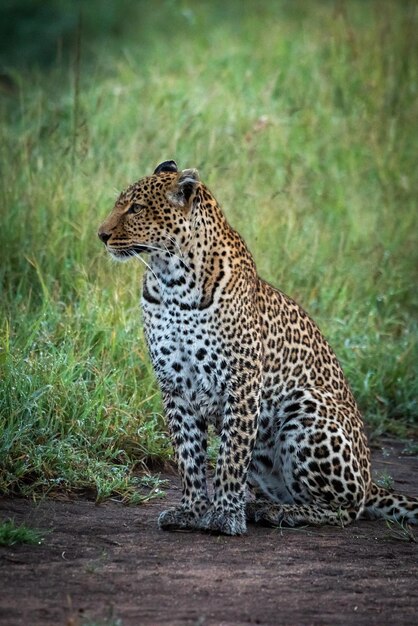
(160, 286)
(181, 257)
(166, 251)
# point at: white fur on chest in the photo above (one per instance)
(186, 353)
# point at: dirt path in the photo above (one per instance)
(101, 564)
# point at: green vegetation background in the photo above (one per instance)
(302, 118)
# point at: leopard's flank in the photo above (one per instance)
(230, 349)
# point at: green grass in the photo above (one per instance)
(399, 531)
(302, 119)
(11, 534)
(385, 480)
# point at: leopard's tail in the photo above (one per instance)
(382, 503)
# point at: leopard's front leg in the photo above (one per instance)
(239, 430)
(189, 437)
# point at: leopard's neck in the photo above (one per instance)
(196, 273)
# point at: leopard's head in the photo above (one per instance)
(153, 213)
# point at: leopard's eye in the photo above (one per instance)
(136, 207)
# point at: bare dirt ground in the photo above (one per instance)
(109, 564)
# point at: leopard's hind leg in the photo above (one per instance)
(317, 457)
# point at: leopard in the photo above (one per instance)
(233, 353)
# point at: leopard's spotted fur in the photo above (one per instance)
(229, 348)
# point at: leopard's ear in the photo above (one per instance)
(184, 188)
(187, 184)
(166, 166)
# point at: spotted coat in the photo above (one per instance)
(231, 350)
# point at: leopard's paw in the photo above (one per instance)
(274, 515)
(223, 522)
(252, 507)
(178, 519)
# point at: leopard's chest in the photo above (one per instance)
(187, 353)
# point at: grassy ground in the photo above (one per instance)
(12, 534)
(302, 119)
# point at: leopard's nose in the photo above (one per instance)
(103, 236)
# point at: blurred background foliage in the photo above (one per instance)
(43, 31)
(302, 117)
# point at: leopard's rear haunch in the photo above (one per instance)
(230, 349)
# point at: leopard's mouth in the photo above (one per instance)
(123, 254)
